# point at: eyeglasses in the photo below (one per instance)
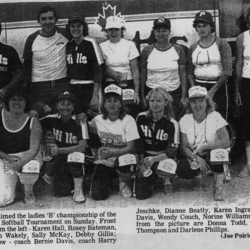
(202, 58)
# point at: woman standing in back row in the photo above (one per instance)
(121, 64)
(163, 64)
(210, 61)
(242, 87)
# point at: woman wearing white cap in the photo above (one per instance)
(202, 130)
(163, 64)
(121, 61)
(210, 61)
(84, 61)
(117, 133)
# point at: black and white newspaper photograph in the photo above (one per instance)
(123, 124)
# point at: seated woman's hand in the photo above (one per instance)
(106, 153)
(54, 150)
(204, 167)
(199, 149)
(15, 163)
(149, 161)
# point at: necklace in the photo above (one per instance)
(204, 132)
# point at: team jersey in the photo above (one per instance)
(12, 142)
(44, 57)
(163, 66)
(157, 136)
(208, 64)
(66, 134)
(9, 63)
(82, 60)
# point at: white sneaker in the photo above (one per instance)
(78, 196)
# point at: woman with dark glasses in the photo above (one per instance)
(210, 61)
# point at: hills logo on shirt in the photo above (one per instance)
(3, 60)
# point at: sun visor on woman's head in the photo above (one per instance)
(197, 91)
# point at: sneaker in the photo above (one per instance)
(78, 196)
(125, 191)
(29, 198)
(48, 179)
(228, 176)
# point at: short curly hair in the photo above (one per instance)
(16, 91)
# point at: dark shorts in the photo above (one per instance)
(83, 94)
(47, 92)
(245, 98)
(185, 172)
(64, 173)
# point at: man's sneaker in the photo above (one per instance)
(29, 197)
(78, 196)
(48, 179)
(125, 190)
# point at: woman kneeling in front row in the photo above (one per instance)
(159, 133)
(202, 130)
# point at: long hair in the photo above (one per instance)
(122, 113)
(168, 111)
(85, 30)
(17, 91)
(211, 106)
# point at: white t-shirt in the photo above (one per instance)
(246, 55)
(49, 58)
(207, 61)
(117, 56)
(163, 69)
(115, 134)
(201, 133)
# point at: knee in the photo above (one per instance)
(99, 195)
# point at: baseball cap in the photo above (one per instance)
(203, 16)
(162, 21)
(197, 91)
(76, 16)
(66, 95)
(113, 89)
(114, 22)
